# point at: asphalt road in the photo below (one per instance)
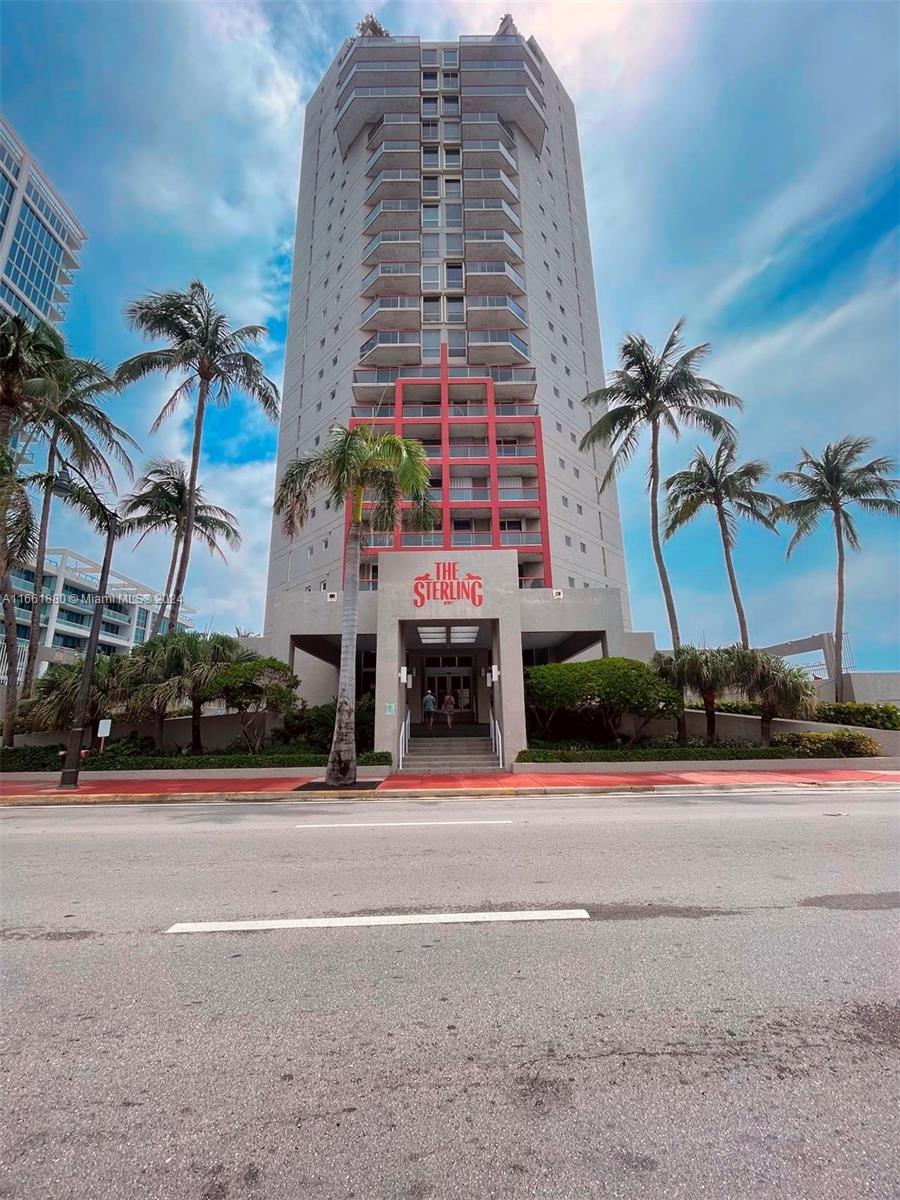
(715, 1028)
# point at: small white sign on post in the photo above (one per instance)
(103, 730)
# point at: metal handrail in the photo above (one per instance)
(403, 746)
(496, 738)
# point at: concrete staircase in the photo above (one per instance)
(449, 756)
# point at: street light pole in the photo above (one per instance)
(72, 760)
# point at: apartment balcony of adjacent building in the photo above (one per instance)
(379, 73)
(489, 212)
(393, 214)
(500, 72)
(392, 312)
(391, 348)
(363, 106)
(398, 184)
(500, 346)
(514, 387)
(393, 245)
(489, 183)
(495, 312)
(493, 277)
(400, 153)
(485, 152)
(517, 104)
(381, 49)
(393, 279)
(477, 48)
(492, 244)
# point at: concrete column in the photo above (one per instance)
(388, 689)
(509, 691)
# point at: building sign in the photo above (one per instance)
(446, 586)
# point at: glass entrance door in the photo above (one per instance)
(458, 681)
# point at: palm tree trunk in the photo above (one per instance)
(191, 503)
(12, 659)
(34, 633)
(839, 612)
(681, 722)
(342, 759)
(709, 707)
(766, 716)
(161, 615)
(196, 735)
(732, 579)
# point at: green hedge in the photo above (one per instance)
(866, 716)
(46, 758)
(843, 743)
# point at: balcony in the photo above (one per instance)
(510, 537)
(496, 346)
(391, 348)
(390, 74)
(393, 279)
(422, 412)
(393, 154)
(482, 47)
(516, 450)
(469, 449)
(518, 104)
(519, 495)
(367, 104)
(466, 495)
(489, 182)
(372, 412)
(393, 214)
(395, 126)
(495, 312)
(490, 213)
(394, 245)
(394, 185)
(493, 244)
(434, 538)
(531, 581)
(368, 585)
(489, 152)
(369, 49)
(375, 540)
(489, 125)
(515, 410)
(468, 537)
(432, 449)
(514, 383)
(466, 410)
(493, 278)
(393, 312)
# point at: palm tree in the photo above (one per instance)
(55, 699)
(826, 487)
(706, 673)
(30, 356)
(81, 431)
(782, 690)
(213, 359)
(19, 534)
(730, 489)
(656, 391)
(191, 663)
(160, 502)
(144, 673)
(352, 463)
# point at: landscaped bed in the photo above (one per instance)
(47, 758)
(843, 743)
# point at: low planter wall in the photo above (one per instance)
(218, 732)
(738, 727)
(186, 776)
(696, 766)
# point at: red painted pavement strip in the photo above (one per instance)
(499, 781)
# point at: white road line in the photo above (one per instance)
(392, 824)
(453, 918)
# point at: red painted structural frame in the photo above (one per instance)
(446, 423)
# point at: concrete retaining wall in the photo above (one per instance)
(218, 732)
(696, 766)
(746, 729)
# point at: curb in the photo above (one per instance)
(65, 799)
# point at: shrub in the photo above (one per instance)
(843, 743)
(868, 716)
(315, 725)
(599, 692)
(30, 758)
(115, 758)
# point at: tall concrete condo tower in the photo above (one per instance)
(442, 288)
(40, 238)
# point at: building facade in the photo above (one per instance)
(443, 289)
(40, 238)
(69, 588)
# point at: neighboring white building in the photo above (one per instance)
(69, 586)
(40, 237)
(443, 289)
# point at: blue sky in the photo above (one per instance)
(741, 166)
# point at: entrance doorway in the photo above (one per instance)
(455, 675)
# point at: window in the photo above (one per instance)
(450, 58)
(431, 275)
(450, 105)
(565, 340)
(321, 342)
(579, 510)
(453, 216)
(453, 243)
(429, 106)
(553, 358)
(572, 437)
(431, 343)
(565, 501)
(570, 401)
(456, 310)
(452, 159)
(429, 58)
(562, 463)
(582, 547)
(310, 551)
(600, 521)
(576, 472)
(431, 185)
(453, 189)
(559, 426)
(429, 80)
(431, 216)
(430, 131)
(571, 581)
(431, 245)
(430, 156)
(334, 361)
(319, 406)
(568, 372)
(431, 309)
(456, 343)
(451, 131)
(453, 272)
(551, 326)
(568, 540)
(556, 391)
(323, 585)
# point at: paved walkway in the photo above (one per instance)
(19, 791)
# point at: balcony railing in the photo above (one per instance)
(490, 118)
(466, 537)
(495, 235)
(468, 450)
(484, 175)
(400, 268)
(520, 538)
(390, 206)
(477, 493)
(371, 412)
(395, 175)
(495, 268)
(428, 411)
(390, 337)
(388, 304)
(500, 337)
(392, 119)
(391, 237)
(518, 493)
(467, 410)
(369, 93)
(379, 539)
(368, 585)
(531, 581)
(515, 410)
(385, 147)
(498, 302)
(490, 145)
(434, 538)
(516, 450)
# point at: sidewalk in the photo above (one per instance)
(115, 788)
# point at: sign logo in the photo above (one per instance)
(447, 587)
